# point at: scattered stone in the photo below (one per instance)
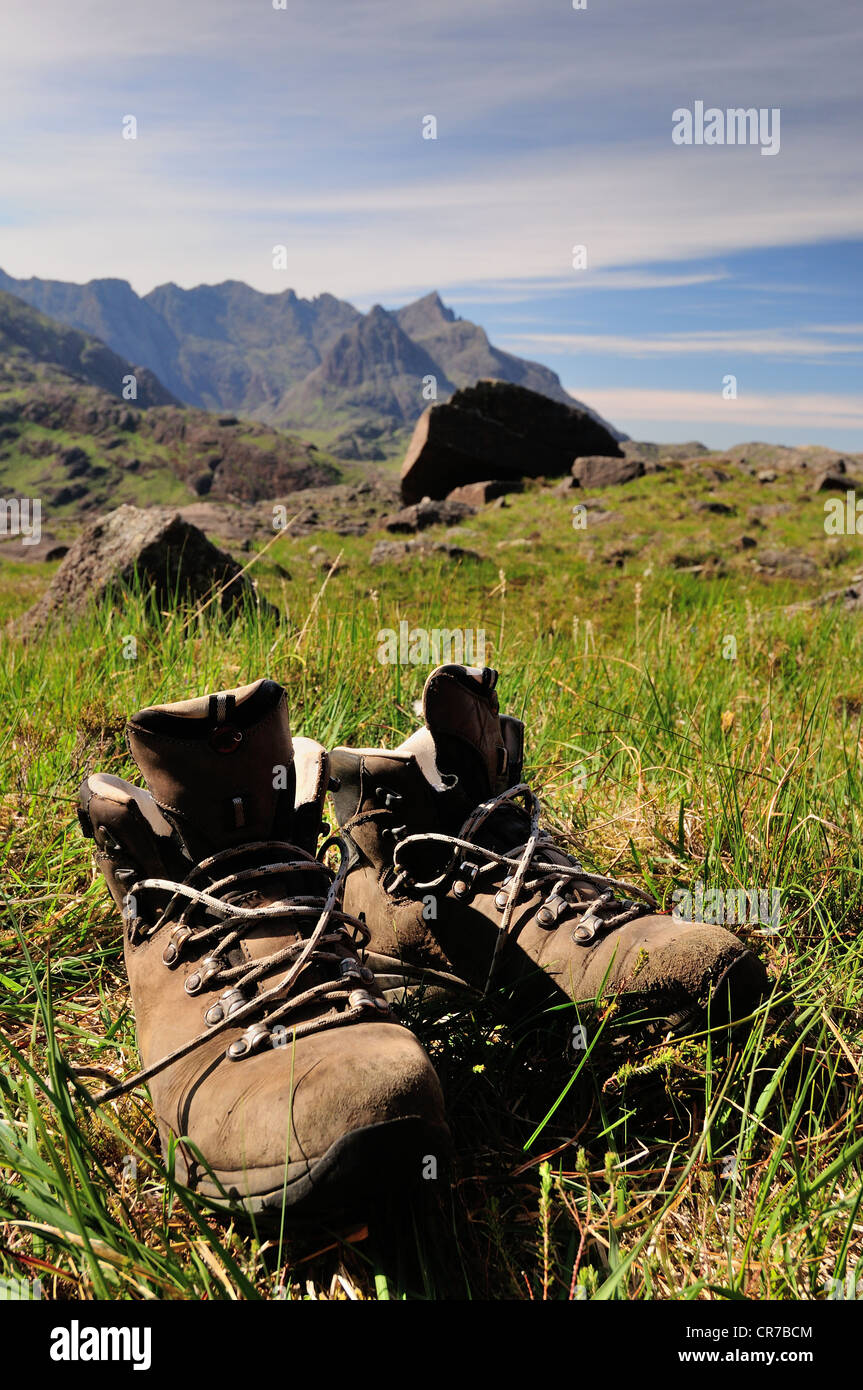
(617, 555)
(45, 550)
(715, 508)
(480, 494)
(603, 470)
(746, 543)
(322, 561)
(497, 430)
(76, 461)
(767, 475)
(787, 564)
(417, 517)
(72, 492)
(166, 554)
(388, 552)
(850, 597)
(761, 514)
(834, 480)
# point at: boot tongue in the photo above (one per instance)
(221, 767)
(463, 716)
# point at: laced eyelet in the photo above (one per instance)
(256, 1036)
(225, 1007)
(463, 885)
(210, 966)
(179, 936)
(361, 999)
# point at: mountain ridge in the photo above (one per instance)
(285, 360)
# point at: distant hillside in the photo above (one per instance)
(356, 379)
(31, 343)
(79, 449)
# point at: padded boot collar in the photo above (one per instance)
(221, 767)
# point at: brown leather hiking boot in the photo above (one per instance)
(461, 889)
(268, 1049)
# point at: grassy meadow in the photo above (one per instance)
(721, 1166)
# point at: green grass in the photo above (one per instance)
(715, 1167)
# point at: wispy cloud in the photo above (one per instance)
(759, 343)
(779, 412)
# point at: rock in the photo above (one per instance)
(322, 561)
(167, 554)
(46, 549)
(767, 475)
(787, 564)
(834, 480)
(603, 470)
(746, 543)
(76, 461)
(73, 492)
(565, 488)
(757, 515)
(393, 552)
(428, 513)
(849, 598)
(496, 430)
(480, 494)
(617, 555)
(715, 508)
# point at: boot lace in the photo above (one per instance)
(529, 869)
(331, 947)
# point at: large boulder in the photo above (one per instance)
(155, 548)
(497, 430)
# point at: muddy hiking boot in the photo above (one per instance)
(268, 1049)
(463, 891)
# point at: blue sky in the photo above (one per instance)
(303, 127)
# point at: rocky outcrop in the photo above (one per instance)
(497, 430)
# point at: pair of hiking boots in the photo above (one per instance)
(263, 980)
